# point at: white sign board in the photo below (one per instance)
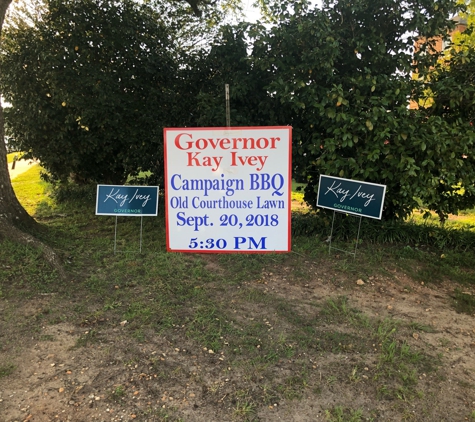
(228, 189)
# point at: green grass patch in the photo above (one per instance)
(399, 365)
(463, 219)
(23, 271)
(297, 193)
(32, 192)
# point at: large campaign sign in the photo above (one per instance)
(228, 189)
(130, 201)
(351, 196)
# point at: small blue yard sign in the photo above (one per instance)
(351, 196)
(128, 201)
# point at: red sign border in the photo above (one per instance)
(165, 185)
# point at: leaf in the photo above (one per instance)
(369, 125)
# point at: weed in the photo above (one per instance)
(272, 356)
(88, 338)
(338, 309)
(112, 304)
(6, 369)
(466, 384)
(444, 342)
(256, 295)
(139, 335)
(245, 409)
(464, 302)
(399, 364)
(162, 415)
(138, 312)
(289, 351)
(46, 337)
(340, 414)
(293, 386)
(354, 377)
(384, 392)
(386, 329)
(118, 393)
(422, 327)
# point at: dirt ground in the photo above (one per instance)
(54, 380)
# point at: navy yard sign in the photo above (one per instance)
(351, 196)
(129, 201)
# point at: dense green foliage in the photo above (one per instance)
(456, 237)
(450, 113)
(228, 63)
(89, 84)
(93, 83)
(342, 75)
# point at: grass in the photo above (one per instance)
(463, 219)
(297, 191)
(23, 269)
(32, 192)
(245, 330)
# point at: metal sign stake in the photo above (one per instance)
(115, 235)
(115, 238)
(228, 110)
(342, 250)
(141, 227)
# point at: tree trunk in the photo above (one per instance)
(11, 211)
(12, 214)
